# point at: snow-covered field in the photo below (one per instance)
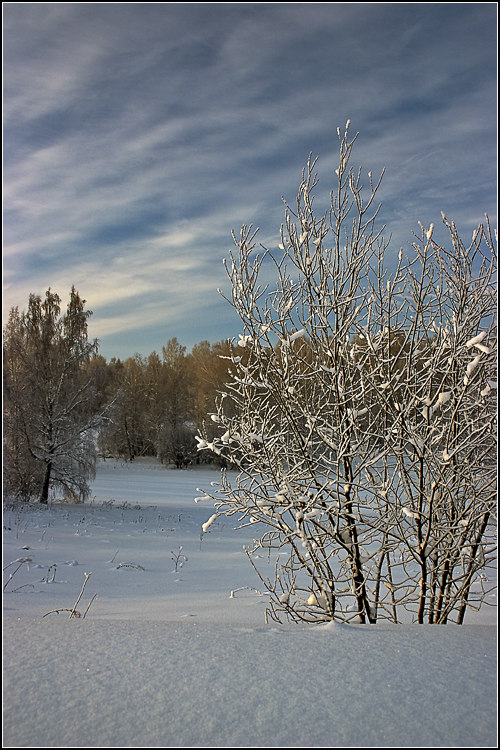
(174, 650)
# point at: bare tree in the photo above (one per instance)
(126, 433)
(359, 412)
(49, 405)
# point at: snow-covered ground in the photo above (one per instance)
(174, 650)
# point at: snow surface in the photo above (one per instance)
(175, 652)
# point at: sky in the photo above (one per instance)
(138, 135)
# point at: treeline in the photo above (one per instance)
(157, 404)
(64, 404)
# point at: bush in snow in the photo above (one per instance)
(360, 412)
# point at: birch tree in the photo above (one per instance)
(359, 412)
(49, 404)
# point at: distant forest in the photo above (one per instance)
(65, 405)
(160, 402)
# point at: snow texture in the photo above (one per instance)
(169, 657)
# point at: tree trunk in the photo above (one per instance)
(44, 496)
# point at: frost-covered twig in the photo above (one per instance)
(245, 588)
(179, 558)
(360, 411)
(73, 612)
(20, 562)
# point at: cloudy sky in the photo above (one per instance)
(137, 135)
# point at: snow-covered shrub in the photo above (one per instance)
(361, 413)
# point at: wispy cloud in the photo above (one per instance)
(136, 137)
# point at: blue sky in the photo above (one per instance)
(137, 135)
